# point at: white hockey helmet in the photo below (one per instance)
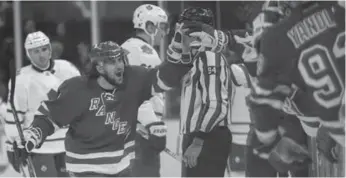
(150, 13)
(35, 40)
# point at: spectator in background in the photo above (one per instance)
(7, 54)
(57, 42)
(82, 49)
(29, 26)
(57, 49)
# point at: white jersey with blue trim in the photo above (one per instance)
(31, 88)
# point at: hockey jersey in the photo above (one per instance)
(143, 54)
(306, 52)
(102, 124)
(33, 87)
(239, 113)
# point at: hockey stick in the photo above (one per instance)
(16, 119)
(143, 132)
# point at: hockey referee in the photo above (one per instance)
(204, 106)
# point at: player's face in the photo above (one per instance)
(113, 70)
(40, 56)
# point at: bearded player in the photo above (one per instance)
(101, 109)
(151, 26)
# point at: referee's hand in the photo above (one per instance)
(192, 153)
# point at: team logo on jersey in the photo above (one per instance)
(146, 49)
(112, 118)
(149, 7)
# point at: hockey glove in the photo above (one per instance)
(175, 52)
(32, 137)
(18, 152)
(262, 150)
(288, 155)
(326, 145)
(155, 133)
(210, 39)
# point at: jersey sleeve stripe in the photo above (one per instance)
(13, 122)
(18, 112)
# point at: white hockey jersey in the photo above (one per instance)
(143, 54)
(240, 116)
(33, 87)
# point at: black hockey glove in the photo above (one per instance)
(288, 155)
(16, 155)
(210, 39)
(263, 150)
(155, 133)
(326, 145)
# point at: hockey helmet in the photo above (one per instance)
(150, 13)
(36, 39)
(204, 15)
(103, 52)
(108, 50)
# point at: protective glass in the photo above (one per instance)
(164, 27)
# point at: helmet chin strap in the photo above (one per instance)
(152, 36)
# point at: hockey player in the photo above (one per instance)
(34, 84)
(101, 109)
(151, 25)
(309, 58)
(311, 64)
(204, 105)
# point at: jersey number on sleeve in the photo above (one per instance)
(319, 71)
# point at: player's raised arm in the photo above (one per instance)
(168, 75)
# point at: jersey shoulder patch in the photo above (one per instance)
(146, 49)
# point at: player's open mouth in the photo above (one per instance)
(119, 74)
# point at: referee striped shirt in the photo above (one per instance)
(204, 96)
